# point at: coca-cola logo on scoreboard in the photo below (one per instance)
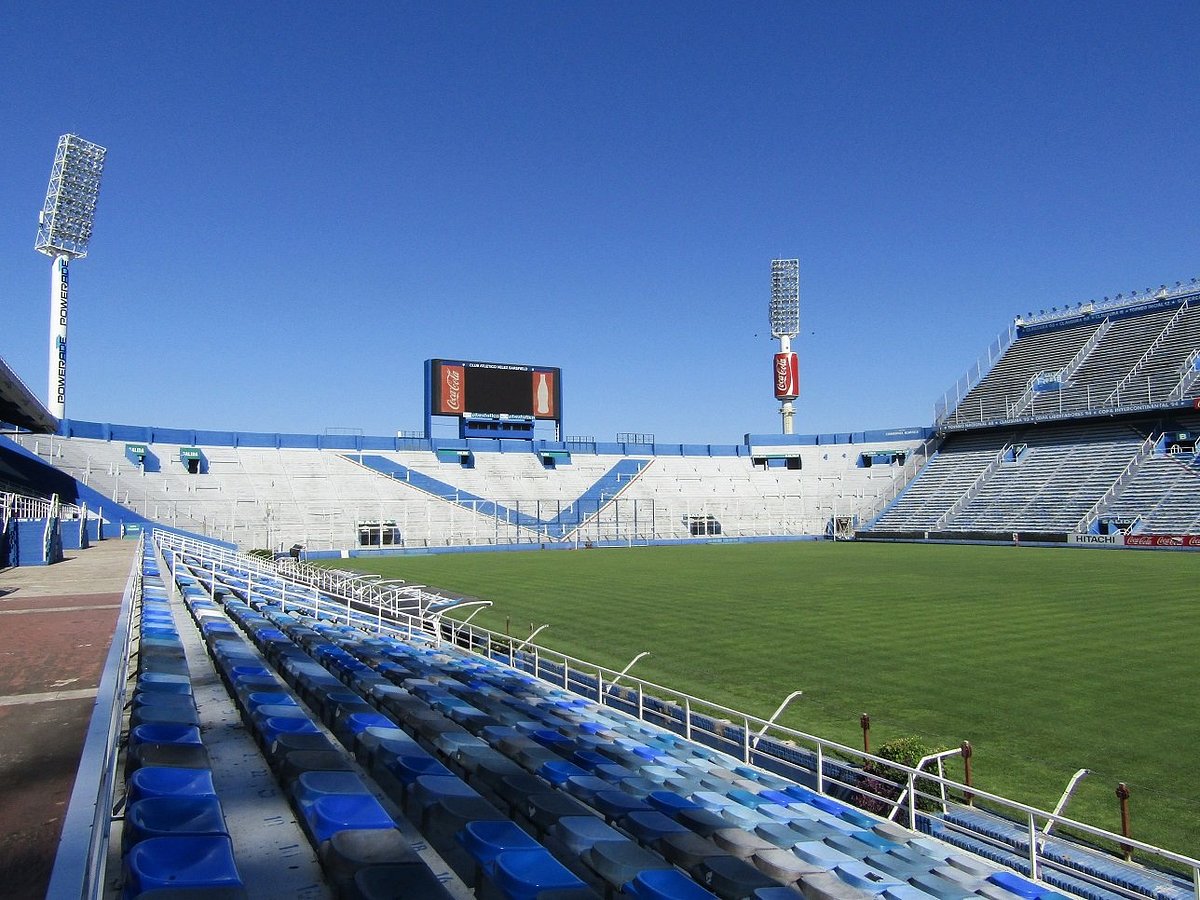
(787, 376)
(543, 395)
(453, 394)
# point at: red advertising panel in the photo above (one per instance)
(1162, 540)
(787, 376)
(452, 398)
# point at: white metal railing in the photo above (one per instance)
(1063, 374)
(958, 505)
(1189, 373)
(909, 795)
(392, 595)
(23, 507)
(1114, 398)
(913, 463)
(1144, 450)
(951, 398)
(1073, 365)
(79, 864)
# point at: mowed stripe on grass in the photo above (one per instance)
(1047, 660)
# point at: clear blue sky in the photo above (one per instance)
(303, 201)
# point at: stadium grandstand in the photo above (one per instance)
(256, 725)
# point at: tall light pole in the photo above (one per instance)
(64, 229)
(785, 325)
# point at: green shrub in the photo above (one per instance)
(888, 782)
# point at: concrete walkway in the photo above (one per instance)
(56, 625)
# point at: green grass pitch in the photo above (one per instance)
(1047, 660)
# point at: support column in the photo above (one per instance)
(56, 392)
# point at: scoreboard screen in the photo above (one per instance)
(498, 390)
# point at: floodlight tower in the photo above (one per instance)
(785, 325)
(64, 229)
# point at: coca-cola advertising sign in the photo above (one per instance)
(543, 395)
(454, 390)
(787, 376)
(1162, 540)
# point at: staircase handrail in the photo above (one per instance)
(1065, 372)
(1144, 449)
(970, 492)
(905, 474)
(1076, 362)
(606, 501)
(1114, 398)
(1189, 372)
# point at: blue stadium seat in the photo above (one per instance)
(181, 862)
(665, 884)
(332, 813)
(526, 874)
(160, 781)
(173, 815)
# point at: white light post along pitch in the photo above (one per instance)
(785, 325)
(64, 229)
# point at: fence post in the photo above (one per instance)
(1123, 796)
(968, 797)
(865, 721)
(1033, 848)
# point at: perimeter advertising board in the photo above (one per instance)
(466, 389)
(1136, 540)
(1162, 540)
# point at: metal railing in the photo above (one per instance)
(1144, 450)
(1114, 399)
(903, 477)
(969, 494)
(1189, 373)
(79, 865)
(748, 738)
(951, 398)
(1062, 375)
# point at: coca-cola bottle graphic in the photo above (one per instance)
(541, 394)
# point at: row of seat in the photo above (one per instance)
(174, 838)
(705, 814)
(361, 850)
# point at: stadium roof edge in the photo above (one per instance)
(19, 406)
(1120, 304)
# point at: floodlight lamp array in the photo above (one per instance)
(65, 222)
(785, 297)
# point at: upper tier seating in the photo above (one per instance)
(1095, 364)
